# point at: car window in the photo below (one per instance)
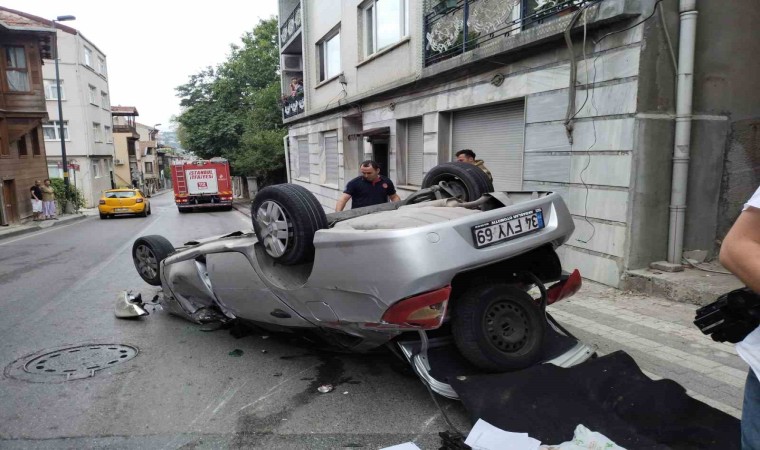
(120, 194)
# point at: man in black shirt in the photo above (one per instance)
(370, 188)
(36, 194)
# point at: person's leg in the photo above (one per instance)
(53, 212)
(46, 209)
(751, 413)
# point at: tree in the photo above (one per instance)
(232, 110)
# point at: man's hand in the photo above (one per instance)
(395, 198)
(342, 200)
(740, 252)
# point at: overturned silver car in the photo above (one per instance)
(443, 277)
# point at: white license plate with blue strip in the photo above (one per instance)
(506, 228)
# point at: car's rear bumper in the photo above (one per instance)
(136, 209)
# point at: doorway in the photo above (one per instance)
(380, 155)
(10, 209)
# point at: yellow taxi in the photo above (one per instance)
(123, 201)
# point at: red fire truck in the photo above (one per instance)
(202, 184)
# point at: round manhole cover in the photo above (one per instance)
(70, 363)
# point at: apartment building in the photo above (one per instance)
(409, 83)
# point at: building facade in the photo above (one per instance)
(85, 99)
(24, 41)
(127, 157)
(397, 81)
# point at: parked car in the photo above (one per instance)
(123, 201)
(443, 274)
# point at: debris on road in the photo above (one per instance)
(237, 353)
(325, 388)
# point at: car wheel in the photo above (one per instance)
(144, 213)
(498, 327)
(285, 218)
(182, 210)
(147, 254)
(103, 216)
(467, 180)
(149, 210)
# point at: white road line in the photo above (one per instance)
(37, 233)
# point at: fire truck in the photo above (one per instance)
(202, 184)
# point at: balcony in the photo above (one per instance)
(290, 28)
(292, 105)
(454, 27)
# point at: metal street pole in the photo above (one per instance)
(60, 112)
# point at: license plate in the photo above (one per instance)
(506, 228)
(122, 210)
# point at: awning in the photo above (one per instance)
(381, 132)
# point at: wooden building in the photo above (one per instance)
(24, 42)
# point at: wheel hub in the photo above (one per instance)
(274, 228)
(506, 325)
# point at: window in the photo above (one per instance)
(303, 157)
(36, 149)
(96, 132)
(385, 23)
(103, 100)
(16, 70)
(96, 169)
(148, 167)
(51, 90)
(109, 135)
(87, 57)
(22, 151)
(101, 66)
(330, 146)
(52, 130)
(93, 95)
(329, 57)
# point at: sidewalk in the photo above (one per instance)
(700, 284)
(29, 226)
(243, 205)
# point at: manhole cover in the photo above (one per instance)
(69, 363)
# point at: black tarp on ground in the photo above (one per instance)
(609, 395)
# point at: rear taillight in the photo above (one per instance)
(565, 288)
(139, 200)
(102, 202)
(424, 311)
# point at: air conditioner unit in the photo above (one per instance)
(291, 63)
(118, 162)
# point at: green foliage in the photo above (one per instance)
(75, 197)
(232, 110)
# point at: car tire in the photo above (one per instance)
(103, 216)
(300, 215)
(144, 212)
(498, 327)
(149, 210)
(468, 180)
(183, 210)
(147, 254)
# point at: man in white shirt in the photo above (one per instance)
(740, 253)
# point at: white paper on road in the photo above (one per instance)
(404, 446)
(485, 436)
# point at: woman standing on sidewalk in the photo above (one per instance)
(48, 200)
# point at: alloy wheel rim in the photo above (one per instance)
(274, 229)
(146, 261)
(506, 325)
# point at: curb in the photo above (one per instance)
(679, 289)
(242, 206)
(34, 228)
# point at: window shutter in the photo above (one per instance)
(414, 151)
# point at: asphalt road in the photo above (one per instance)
(183, 389)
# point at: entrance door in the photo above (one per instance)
(380, 155)
(9, 200)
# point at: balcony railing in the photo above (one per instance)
(290, 26)
(292, 105)
(453, 27)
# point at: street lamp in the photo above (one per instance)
(60, 110)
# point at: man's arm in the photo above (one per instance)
(740, 252)
(342, 200)
(395, 198)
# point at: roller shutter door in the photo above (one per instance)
(495, 133)
(414, 152)
(331, 157)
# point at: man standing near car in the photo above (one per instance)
(740, 253)
(370, 188)
(468, 156)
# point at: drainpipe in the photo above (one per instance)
(687, 41)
